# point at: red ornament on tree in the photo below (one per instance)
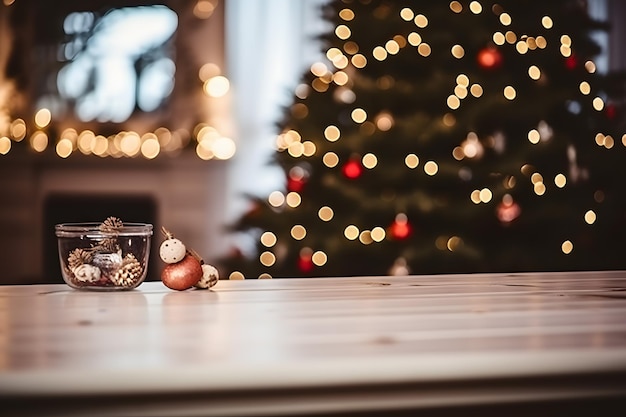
(305, 260)
(400, 228)
(352, 169)
(489, 58)
(611, 111)
(295, 184)
(571, 62)
(508, 210)
(297, 178)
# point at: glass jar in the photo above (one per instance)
(96, 258)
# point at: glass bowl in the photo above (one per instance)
(95, 258)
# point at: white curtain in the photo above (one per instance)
(269, 43)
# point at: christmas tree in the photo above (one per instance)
(445, 137)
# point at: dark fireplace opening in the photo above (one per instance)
(72, 208)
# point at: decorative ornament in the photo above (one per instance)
(182, 275)
(87, 273)
(352, 169)
(210, 276)
(305, 260)
(571, 62)
(129, 272)
(78, 257)
(611, 111)
(103, 264)
(400, 228)
(185, 269)
(172, 250)
(508, 210)
(489, 58)
(108, 263)
(297, 178)
(295, 184)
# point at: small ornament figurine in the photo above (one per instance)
(172, 250)
(185, 269)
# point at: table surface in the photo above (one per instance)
(316, 345)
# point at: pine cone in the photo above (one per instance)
(129, 272)
(78, 257)
(108, 244)
(111, 225)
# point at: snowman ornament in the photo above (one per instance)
(184, 268)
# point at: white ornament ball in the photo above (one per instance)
(210, 276)
(172, 251)
(87, 273)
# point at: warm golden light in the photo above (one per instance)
(351, 232)
(485, 195)
(39, 141)
(407, 14)
(343, 32)
(359, 61)
(411, 161)
(325, 213)
(598, 104)
(5, 145)
(378, 234)
(534, 72)
(476, 90)
(505, 19)
(330, 159)
(590, 66)
(590, 217)
(365, 237)
(369, 161)
(560, 180)
(456, 7)
(567, 247)
(217, 86)
(346, 14)
(509, 92)
(236, 275)
(453, 102)
(359, 115)
(276, 199)
(414, 39)
(476, 7)
(546, 21)
(431, 168)
(458, 51)
(539, 188)
(498, 38)
(267, 258)
(332, 133)
(392, 47)
(43, 118)
(533, 136)
(18, 129)
(268, 239)
(424, 49)
(298, 232)
(421, 21)
(585, 88)
(380, 53)
(319, 258)
(293, 199)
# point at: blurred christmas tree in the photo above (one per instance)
(445, 137)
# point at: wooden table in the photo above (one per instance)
(476, 344)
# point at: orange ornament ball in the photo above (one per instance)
(489, 58)
(182, 275)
